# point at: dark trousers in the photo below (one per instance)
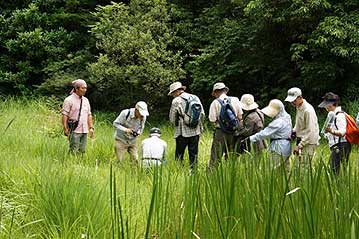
(339, 153)
(223, 143)
(192, 144)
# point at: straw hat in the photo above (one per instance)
(175, 86)
(293, 94)
(247, 102)
(273, 108)
(141, 106)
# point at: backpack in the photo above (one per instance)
(192, 112)
(352, 131)
(228, 120)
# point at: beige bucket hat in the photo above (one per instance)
(273, 108)
(247, 102)
(219, 86)
(175, 86)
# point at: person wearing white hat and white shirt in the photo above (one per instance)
(223, 142)
(306, 128)
(278, 131)
(253, 122)
(153, 149)
(185, 135)
(128, 126)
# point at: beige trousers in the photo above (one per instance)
(305, 158)
(121, 148)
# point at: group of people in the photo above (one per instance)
(239, 127)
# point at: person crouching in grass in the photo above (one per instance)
(153, 149)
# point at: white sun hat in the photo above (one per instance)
(273, 108)
(247, 102)
(175, 86)
(293, 94)
(141, 106)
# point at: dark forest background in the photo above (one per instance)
(133, 50)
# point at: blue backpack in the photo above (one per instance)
(192, 112)
(228, 120)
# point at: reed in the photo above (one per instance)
(47, 193)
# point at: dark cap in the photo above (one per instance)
(329, 99)
(155, 131)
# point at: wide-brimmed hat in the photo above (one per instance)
(155, 132)
(273, 108)
(141, 106)
(175, 86)
(293, 94)
(219, 86)
(329, 99)
(247, 102)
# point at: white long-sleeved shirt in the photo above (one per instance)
(306, 125)
(340, 125)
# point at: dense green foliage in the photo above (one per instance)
(46, 193)
(135, 61)
(255, 46)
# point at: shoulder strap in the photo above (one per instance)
(260, 117)
(220, 101)
(78, 117)
(335, 121)
(128, 113)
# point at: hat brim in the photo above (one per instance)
(156, 134)
(269, 111)
(248, 107)
(291, 98)
(143, 112)
(171, 92)
(325, 103)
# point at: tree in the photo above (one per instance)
(135, 61)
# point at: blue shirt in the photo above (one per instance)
(279, 131)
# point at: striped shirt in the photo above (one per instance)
(177, 110)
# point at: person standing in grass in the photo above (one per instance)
(339, 147)
(153, 149)
(128, 126)
(306, 129)
(224, 142)
(77, 118)
(253, 122)
(278, 131)
(186, 135)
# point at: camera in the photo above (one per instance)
(134, 133)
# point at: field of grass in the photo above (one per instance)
(46, 193)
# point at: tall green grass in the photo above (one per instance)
(47, 193)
